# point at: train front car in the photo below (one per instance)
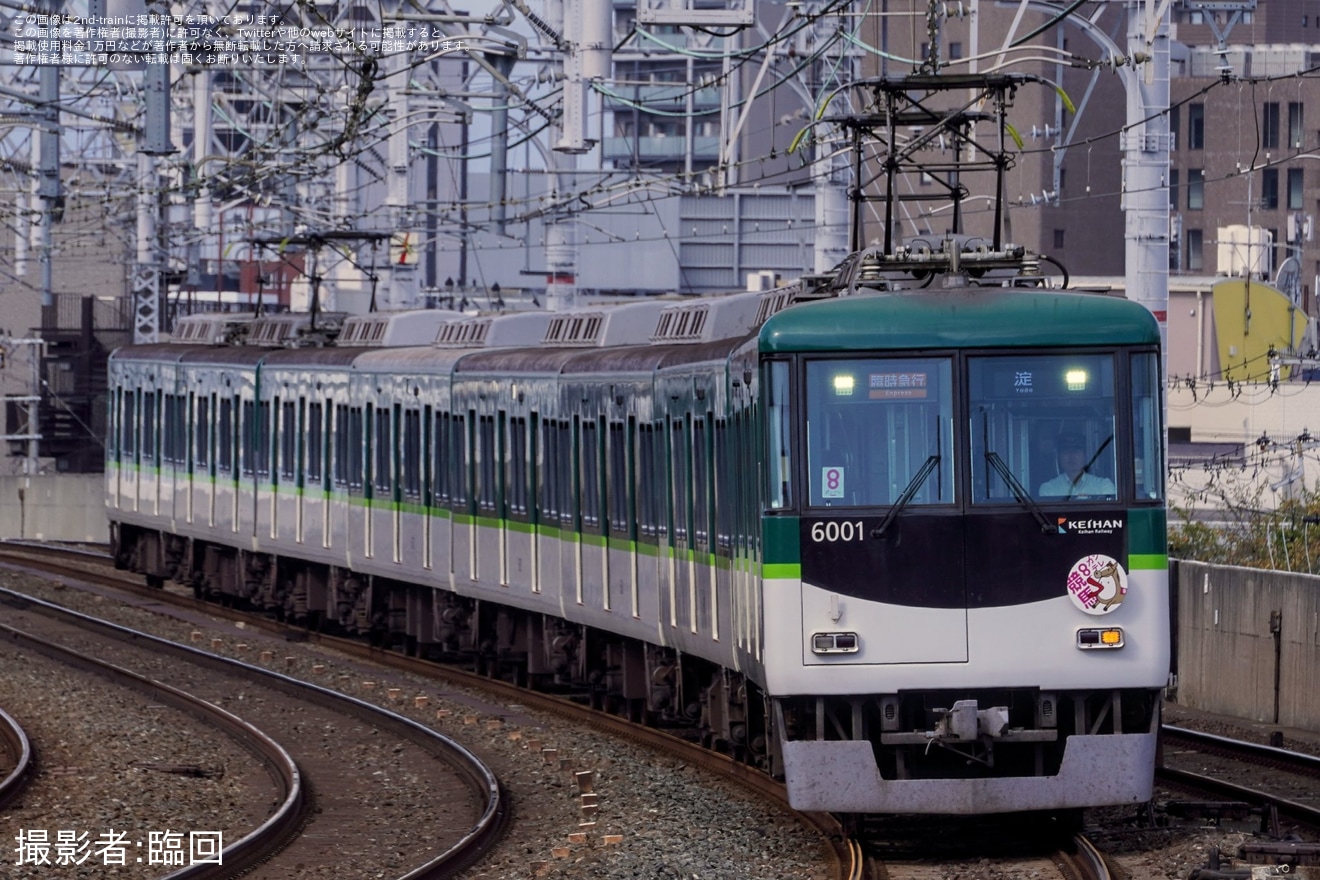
(966, 594)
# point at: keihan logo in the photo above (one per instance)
(1063, 521)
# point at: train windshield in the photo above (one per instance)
(879, 429)
(1042, 426)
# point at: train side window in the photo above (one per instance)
(383, 449)
(459, 459)
(224, 436)
(516, 479)
(680, 479)
(617, 479)
(149, 428)
(1147, 428)
(202, 432)
(263, 442)
(340, 433)
(167, 428)
(246, 428)
(356, 450)
(550, 471)
(646, 480)
(316, 451)
(590, 475)
(128, 426)
(168, 449)
(700, 485)
(779, 439)
(564, 463)
(440, 439)
(486, 463)
(412, 453)
(288, 439)
(726, 487)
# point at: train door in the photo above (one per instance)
(519, 515)
(128, 449)
(648, 505)
(681, 600)
(881, 536)
(410, 545)
(705, 608)
(621, 540)
(555, 469)
(195, 440)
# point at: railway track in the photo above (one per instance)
(304, 830)
(1280, 781)
(844, 856)
(292, 804)
(16, 758)
(1005, 846)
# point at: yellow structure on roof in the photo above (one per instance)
(1251, 317)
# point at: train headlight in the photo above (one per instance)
(1092, 639)
(843, 385)
(834, 643)
(1075, 380)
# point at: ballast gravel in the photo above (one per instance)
(653, 816)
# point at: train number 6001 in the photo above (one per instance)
(836, 530)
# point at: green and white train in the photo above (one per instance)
(810, 526)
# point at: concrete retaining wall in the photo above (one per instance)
(1249, 643)
(54, 507)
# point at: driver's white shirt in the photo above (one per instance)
(1086, 485)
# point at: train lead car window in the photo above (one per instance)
(779, 428)
(1147, 430)
(878, 428)
(1046, 421)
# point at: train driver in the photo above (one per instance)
(1074, 481)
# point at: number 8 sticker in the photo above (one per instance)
(831, 482)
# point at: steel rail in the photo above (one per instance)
(483, 834)
(19, 747)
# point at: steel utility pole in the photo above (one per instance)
(155, 141)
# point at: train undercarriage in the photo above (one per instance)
(657, 685)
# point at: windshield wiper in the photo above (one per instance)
(1019, 492)
(913, 485)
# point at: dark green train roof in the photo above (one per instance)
(963, 318)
